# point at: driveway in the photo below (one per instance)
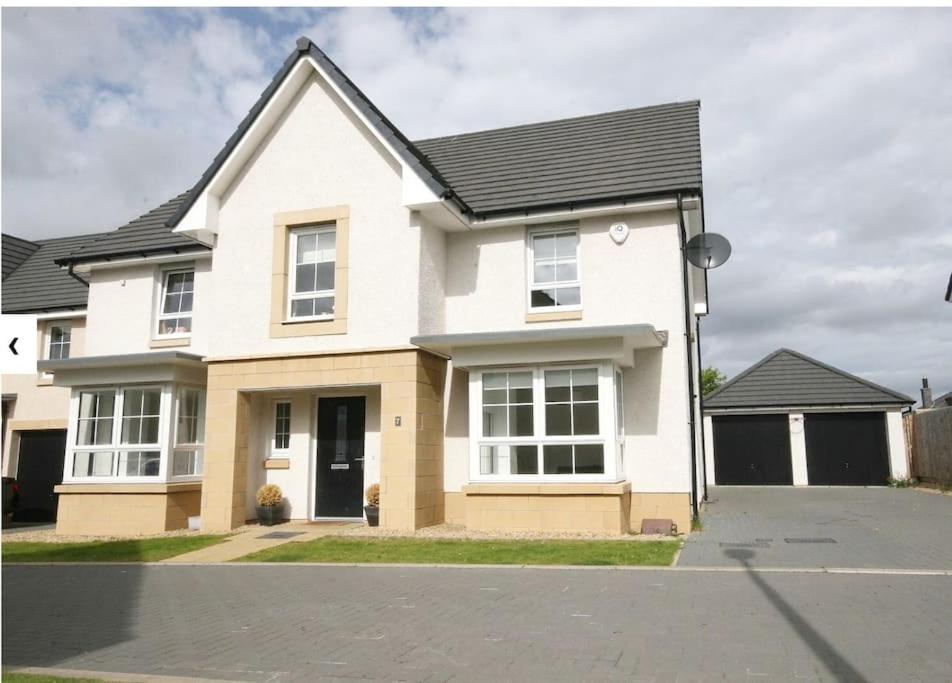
(848, 527)
(284, 623)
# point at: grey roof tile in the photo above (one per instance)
(39, 284)
(147, 234)
(619, 155)
(787, 378)
(16, 250)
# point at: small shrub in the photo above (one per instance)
(269, 495)
(902, 483)
(373, 495)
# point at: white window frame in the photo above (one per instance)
(168, 417)
(295, 234)
(531, 285)
(275, 451)
(160, 316)
(48, 337)
(606, 436)
(197, 447)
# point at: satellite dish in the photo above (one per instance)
(708, 250)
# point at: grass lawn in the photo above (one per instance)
(133, 550)
(33, 678)
(436, 551)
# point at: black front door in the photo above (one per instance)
(752, 450)
(340, 457)
(39, 469)
(847, 449)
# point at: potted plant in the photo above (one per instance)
(372, 508)
(270, 505)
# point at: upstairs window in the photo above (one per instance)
(175, 307)
(311, 275)
(554, 272)
(59, 335)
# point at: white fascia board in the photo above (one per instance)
(62, 315)
(581, 212)
(86, 268)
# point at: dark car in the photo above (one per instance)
(11, 497)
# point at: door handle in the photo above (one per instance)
(358, 459)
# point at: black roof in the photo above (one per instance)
(16, 250)
(786, 378)
(146, 235)
(641, 152)
(38, 284)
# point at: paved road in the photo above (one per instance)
(826, 527)
(282, 623)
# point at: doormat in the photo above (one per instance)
(809, 540)
(282, 534)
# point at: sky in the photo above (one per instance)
(826, 137)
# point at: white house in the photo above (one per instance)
(498, 327)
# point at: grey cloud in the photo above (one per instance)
(825, 136)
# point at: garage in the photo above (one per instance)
(39, 470)
(846, 449)
(752, 450)
(793, 420)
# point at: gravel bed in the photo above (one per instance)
(453, 531)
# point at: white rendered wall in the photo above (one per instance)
(798, 449)
(635, 282)
(317, 156)
(123, 302)
(898, 458)
(456, 429)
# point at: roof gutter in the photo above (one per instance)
(692, 378)
(73, 275)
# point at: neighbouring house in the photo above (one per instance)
(34, 411)
(497, 327)
(791, 420)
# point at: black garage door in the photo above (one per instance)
(752, 449)
(846, 449)
(39, 469)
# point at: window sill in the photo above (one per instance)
(310, 319)
(277, 464)
(169, 342)
(553, 316)
(100, 487)
(548, 489)
(304, 327)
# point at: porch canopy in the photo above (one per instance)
(154, 366)
(559, 344)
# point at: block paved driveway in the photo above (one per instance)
(850, 527)
(283, 623)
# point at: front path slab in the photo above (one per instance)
(260, 538)
(842, 527)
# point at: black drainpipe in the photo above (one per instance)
(75, 276)
(687, 345)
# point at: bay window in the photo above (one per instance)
(544, 423)
(124, 433)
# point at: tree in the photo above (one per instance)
(711, 379)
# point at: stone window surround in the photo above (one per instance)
(284, 222)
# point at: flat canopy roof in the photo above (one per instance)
(125, 360)
(155, 366)
(552, 343)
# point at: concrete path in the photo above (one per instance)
(846, 527)
(286, 623)
(260, 538)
